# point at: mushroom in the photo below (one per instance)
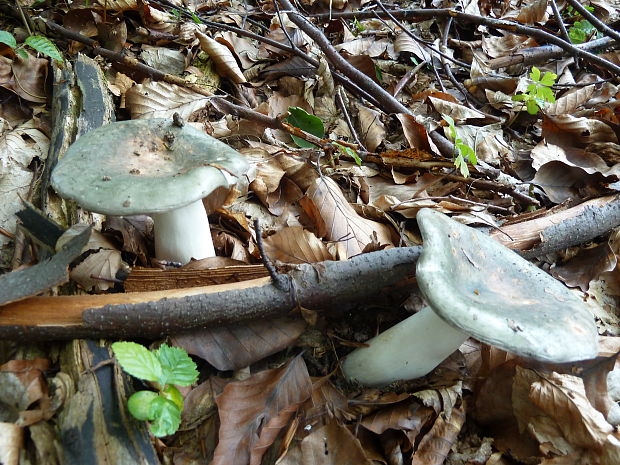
(476, 287)
(151, 166)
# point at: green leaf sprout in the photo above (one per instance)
(539, 93)
(165, 367)
(463, 152)
(39, 43)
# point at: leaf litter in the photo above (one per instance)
(270, 390)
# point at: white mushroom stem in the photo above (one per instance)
(183, 234)
(408, 350)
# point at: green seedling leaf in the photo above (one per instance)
(138, 361)
(532, 107)
(166, 417)
(177, 367)
(462, 166)
(546, 94)
(548, 79)
(349, 152)
(45, 46)
(7, 39)
(448, 119)
(520, 97)
(21, 53)
(306, 122)
(535, 74)
(139, 404)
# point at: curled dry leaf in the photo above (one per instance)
(570, 131)
(25, 77)
(225, 63)
(162, 100)
(435, 445)
(252, 412)
(296, 245)
(372, 130)
(337, 221)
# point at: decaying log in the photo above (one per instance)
(154, 314)
(95, 427)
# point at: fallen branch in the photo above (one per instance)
(156, 314)
(563, 229)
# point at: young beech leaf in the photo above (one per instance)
(177, 367)
(139, 404)
(7, 39)
(44, 46)
(306, 122)
(138, 361)
(166, 417)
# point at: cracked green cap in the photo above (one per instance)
(488, 291)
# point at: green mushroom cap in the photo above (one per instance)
(144, 166)
(488, 291)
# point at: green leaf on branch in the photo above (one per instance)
(45, 46)
(309, 123)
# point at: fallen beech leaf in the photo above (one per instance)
(337, 220)
(237, 346)
(253, 411)
(372, 129)
(435, 445)
(296, 245)
(162, 100)
(586, 266)
(225, 63)
(410, 417)
(332, 444)
(119, 5)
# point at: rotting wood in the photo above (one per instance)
(95, 427)
(338, 285)
(152, 279)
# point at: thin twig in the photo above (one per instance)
(423, 14)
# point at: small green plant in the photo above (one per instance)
(582, 31)
(463, 152)
(165, 368)
(539, 93)
(39, 43)
(358, 27)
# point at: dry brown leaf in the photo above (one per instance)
(233, 347)
(254, 410)
(460, 113)
(332, 444)
(371, 128)
(533, 12)
(224, 60)
(25, 77)
(410, 417)
(570, 102)
(504, 45)
(404, 43)
(119, 5)
(415, 132)
(435, 445)
(586, 266)
(570, 131)
(296, 245)
(158, 20)
(162, 100)
(327, 401)
(337, 221)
